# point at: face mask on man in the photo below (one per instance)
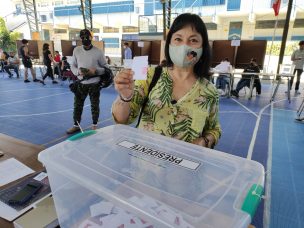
(184, 56)
(86, 41)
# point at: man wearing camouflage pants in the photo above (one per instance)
(88, 62)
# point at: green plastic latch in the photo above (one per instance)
(82, 135)
(252, 199)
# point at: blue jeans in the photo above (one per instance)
(222, 81)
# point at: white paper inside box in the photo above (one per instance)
(138, 176)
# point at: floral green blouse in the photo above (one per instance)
(194, 115)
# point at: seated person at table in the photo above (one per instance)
(245, 80)
(65, 69)
(224, 69)
(12, 63)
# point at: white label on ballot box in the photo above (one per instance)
(160, 155)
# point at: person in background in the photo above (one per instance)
(183, 104)
(27, 62)
(47, 60)
(66, 71)
(57, 61)
(224, 69)
(245, 80)
(297, 59)
(127, 51)
(88, 63)
(108, 60)
(4, 58)
(1, 60)
(12, 63)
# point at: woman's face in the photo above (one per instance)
(187, 36)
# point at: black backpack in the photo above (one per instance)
(156, 76)
(106, 79)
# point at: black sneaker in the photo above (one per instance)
(42, 82)
(55, 82)
(10, 75)
(36, 80)
(26, 81)
(234, 93)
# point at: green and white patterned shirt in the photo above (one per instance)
(196, 113)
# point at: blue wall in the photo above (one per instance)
(233, 5)
(98, 8)
(177, 4)
(111, 42)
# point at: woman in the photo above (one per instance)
(47, 60)
(108, 60)
(57, 61)
(183, 104)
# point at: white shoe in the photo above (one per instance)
(297, 92)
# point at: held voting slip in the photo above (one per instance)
(120, 176)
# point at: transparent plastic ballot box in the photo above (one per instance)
(163, 182)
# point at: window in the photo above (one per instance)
(18, 9)
(129, 29)
(211, 26)
(107, 29)
(60, 31)
(299, 23)
(44, 4)
(269, 24)
(57, 3)
(43, 18)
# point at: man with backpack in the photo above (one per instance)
(88, 64)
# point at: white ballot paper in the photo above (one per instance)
(11, 170)
(140, 67)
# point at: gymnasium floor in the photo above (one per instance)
(253, 129)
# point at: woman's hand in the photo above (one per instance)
(200, 142)
(205, 141)
(124, 83)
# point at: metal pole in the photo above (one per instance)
(83, 14)
(164, 19)
(169, 14)
(270, 52)
(285, 33)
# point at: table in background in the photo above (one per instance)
(280, 76)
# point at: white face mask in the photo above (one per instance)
(184, 56)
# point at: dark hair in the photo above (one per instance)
(24, 41)
(45, 47)
(301, 42)
(85, 32)
(109, 59)
(201, 68)
(64, 58)
(57, 52)
(125, 43)
(226, 59)
(6, 55)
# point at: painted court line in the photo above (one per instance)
(252, 112)
(223, 112)
(266, 217)
(33, 99)
(255, 131)
(43, 113)
(18, 90)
